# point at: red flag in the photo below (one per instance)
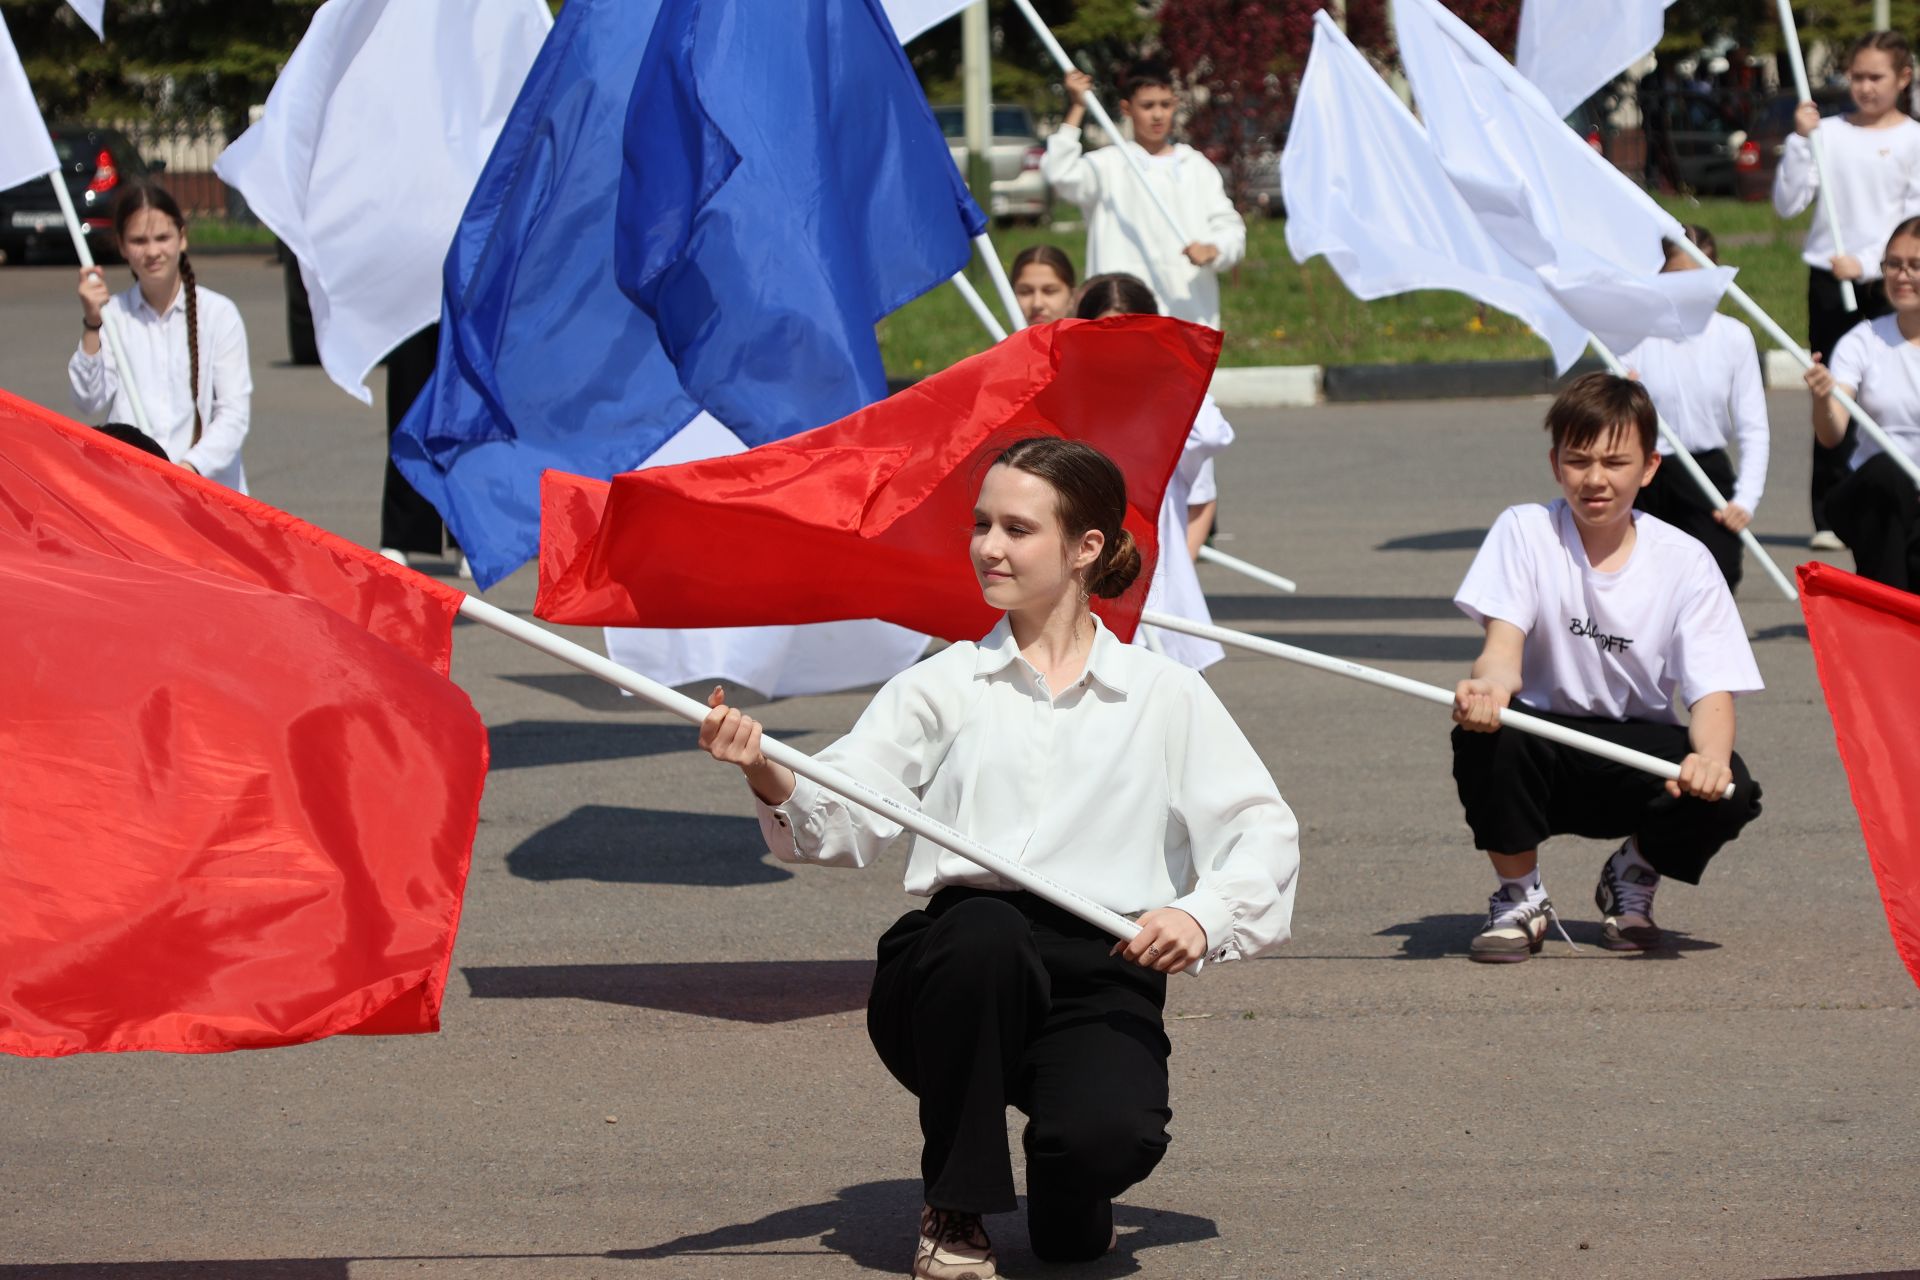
(238, 792)
(1866, 643)
(869, 517)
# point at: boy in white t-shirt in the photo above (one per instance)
(1596, 615)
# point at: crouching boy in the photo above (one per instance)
(1595, 616)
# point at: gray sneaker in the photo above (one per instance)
(1515, 927)
(953, 1246)
(1826, 540)
(1625, 897)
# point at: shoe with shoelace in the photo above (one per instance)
(953, 1246)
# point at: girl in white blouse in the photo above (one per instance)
(186, 344)
(1110, 769)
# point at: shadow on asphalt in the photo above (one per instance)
(872, 1224)
(615, 845)
(528, 744)
(760, 991)
(596, 694)
(1280, 608)
(1444, 540)
(1447, 937)
(1373, 647)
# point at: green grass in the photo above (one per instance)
(1278, 312)
(218, 232)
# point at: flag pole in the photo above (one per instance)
(984, 243)
(908, 816)
(1431, 693)
(108, 316)
(1790, 33)
(1101, 117)
(1253, 571)
(979, 305)
(1799, 353)
(1718, 499)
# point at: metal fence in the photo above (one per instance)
(183, 149)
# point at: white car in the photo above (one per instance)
(1018, 189)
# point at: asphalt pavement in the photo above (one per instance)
(654, 1061)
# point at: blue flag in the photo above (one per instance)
(543, 361)
(784, 187)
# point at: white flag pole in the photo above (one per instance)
(909, 817)
(979, 305)
(984, 243)
(1431, 693)
(1253, 571)
(109, 316)
(1105, 121)
(1791, 35)
(1799, 353)
(1719, 500)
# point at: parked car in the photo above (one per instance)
(1693, 137)
(1759, 153)
(95, 163)
(1018, 189)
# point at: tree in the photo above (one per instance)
(1228, 53)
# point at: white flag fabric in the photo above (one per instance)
(1546, 196)
(26, 152)
(1363, 187)
(371, 142)
(93, 13)
(1572, 49)
(914, 17)
(781, 661)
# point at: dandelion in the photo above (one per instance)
(1280, 335)
(1475, 326)
(918, 363)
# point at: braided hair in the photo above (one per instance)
(147, 195)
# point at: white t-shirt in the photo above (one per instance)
(1611, 645)
(1883, 369)
(1876, 176)
(1708, 389)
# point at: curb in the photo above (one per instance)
(1297, 386)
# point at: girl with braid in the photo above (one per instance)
(186, 344)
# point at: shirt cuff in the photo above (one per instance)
(1215, 915)
(781, 824)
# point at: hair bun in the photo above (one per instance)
(1119, 566)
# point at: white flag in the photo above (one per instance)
(1572, 49)
(1544, 194)
(26, 152)
(1364, 188)
(93, 13)
(371, 142)
(779, 661)
(912, 17)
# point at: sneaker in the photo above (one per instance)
(466, 569)
(398, 557)
(1516, 927)
(1825, 540)
(1625, 897)
(953, 1246)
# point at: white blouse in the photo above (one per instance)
(1708, 389)
(1175, 587)
(1133, 787)
(1876, 176)
(157, 350)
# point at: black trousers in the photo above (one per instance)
(1676, 497)
(408, 522)
(1519, 789)
(1827, 322)
(1876, 511)
(989, 999)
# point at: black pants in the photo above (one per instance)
(1827, 322)
(1676, 497)
(989, 999)
(1519, 789)
(1876, 511)
(408, 521)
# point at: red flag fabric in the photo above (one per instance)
(869, 517)
(238, 792)
(1866, 644)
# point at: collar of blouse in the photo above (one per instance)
(1106, 660)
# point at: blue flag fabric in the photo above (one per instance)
(784, 187)
(543, 361)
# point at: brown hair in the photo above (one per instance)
(1911, 227)
(1895, 46)
(146, 195)
(1593, 406)
(1148, 74)
(1115, 291)
(1090, 493)
(1698, 236)
(1050, 256)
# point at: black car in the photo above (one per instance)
(95, 163)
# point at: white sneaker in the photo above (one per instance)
(953, 1246)
(1516, 927)
(1625, 897)
(397, 556)
(1825, 540)
(466, 570)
